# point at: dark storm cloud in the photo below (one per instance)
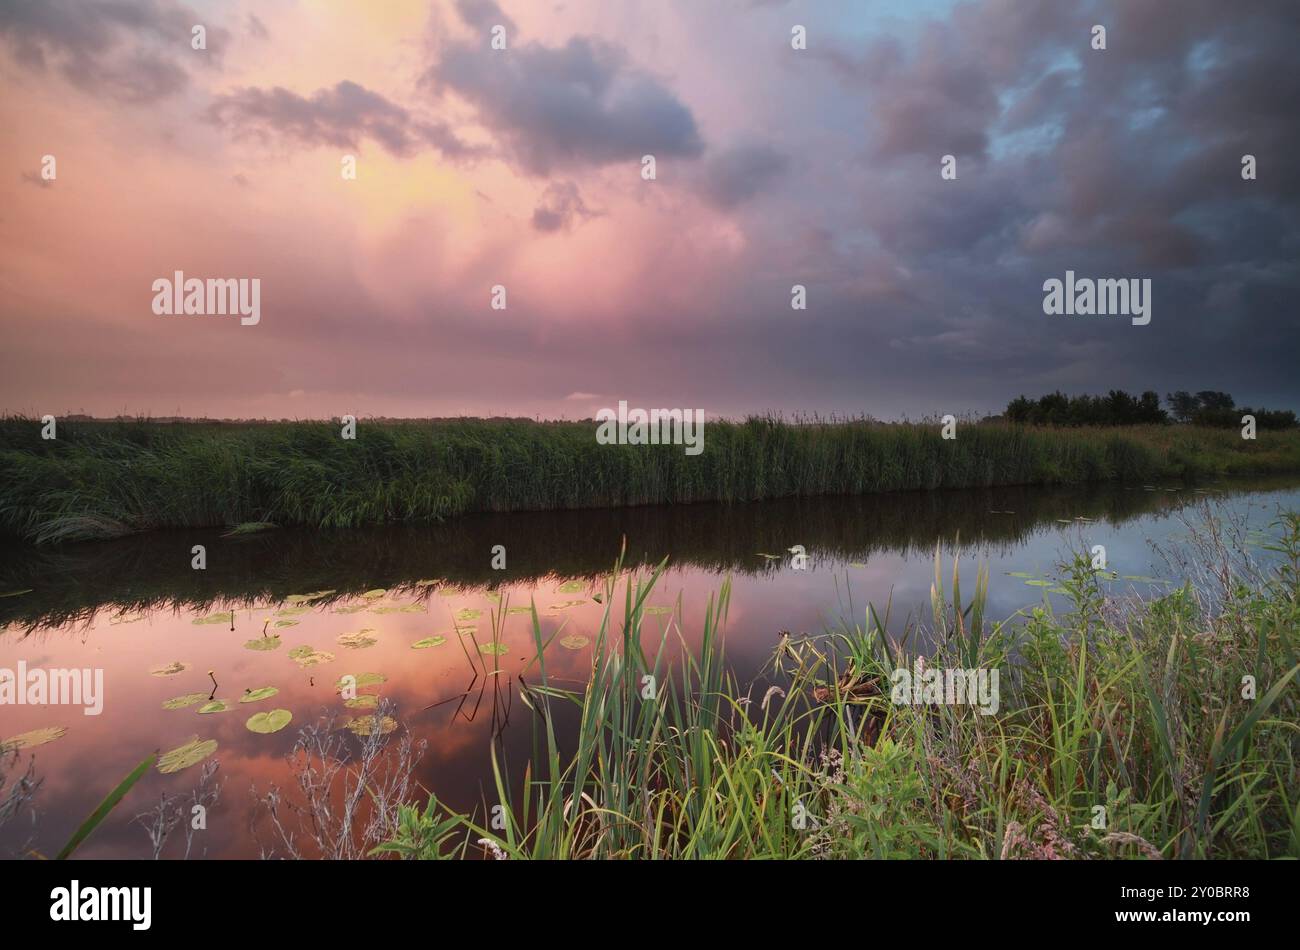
(737, 174)
(484, 14)
(936, 103)
(339, 117)
(561, 206)
(581, 104)
(1122, 162)
(131, 50)
(1130, 143)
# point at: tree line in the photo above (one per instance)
(1118, 408)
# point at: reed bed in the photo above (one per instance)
(1124, 730)
(107, 479)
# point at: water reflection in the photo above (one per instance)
(415, 606)
(68, 583)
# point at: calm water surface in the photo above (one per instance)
(129, 607)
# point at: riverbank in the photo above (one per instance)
(1111, 729)
(108, 479)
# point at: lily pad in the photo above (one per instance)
(306, 656)
(565, 605)
(353, 609)
(493, 648)
(171, 669)
(362, 680)
(1040, 583)
(375, 594)
(224, 617)
(248, 527)
(285, 623)
(216, 706)
(405, 609)
(519, 610)
(268, 722)
(358, 641)
(25, 740)
(468, 614)
(263, 644)
(364, 701)
(308, 598)
(180, 702)
(571, 587)
(857, 564)
(1020, 574)
(253, 695)
(574, 642)
(657, 611)
(366, 725)
(182, 757)
(292, 611)
(428, 642)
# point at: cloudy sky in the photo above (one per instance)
(522, 167)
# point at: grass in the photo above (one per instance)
(1124, 730)
(107, 479)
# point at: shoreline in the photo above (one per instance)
(100, 480)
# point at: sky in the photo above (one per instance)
(523, 167)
